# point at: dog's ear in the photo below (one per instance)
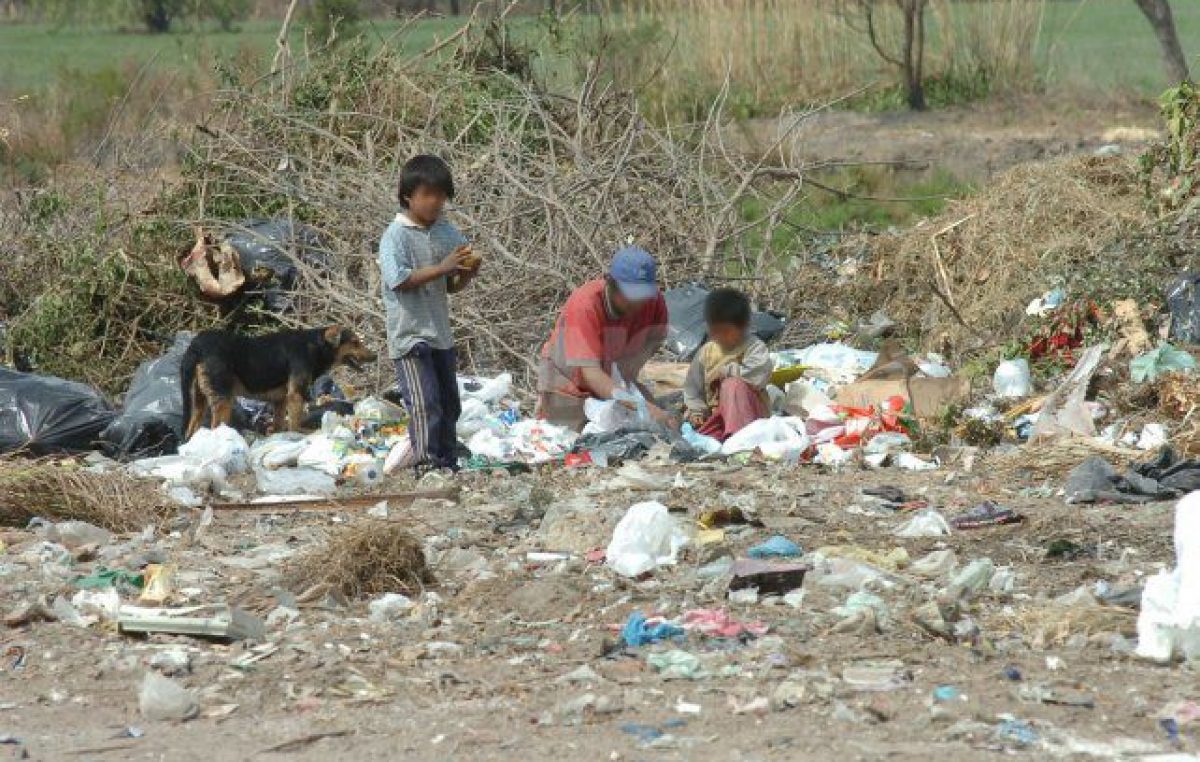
(333, 335)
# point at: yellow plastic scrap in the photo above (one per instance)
(781, 377)
(894, 560)
(710, 537)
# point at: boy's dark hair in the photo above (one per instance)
(727, 306)
(424, 170)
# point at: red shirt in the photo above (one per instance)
(587, 334)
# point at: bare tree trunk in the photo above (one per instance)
(913, 56)
(1158, 13)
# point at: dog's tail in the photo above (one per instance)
(187, 377)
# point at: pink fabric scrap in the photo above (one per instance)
(717, 623)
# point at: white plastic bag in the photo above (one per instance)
(1012, 379)
(278, 450)
(489, 391)
(777, 438)
(487, 444)
(161, 698)
(181, 471)
(294, 481)
(320, 453)
(642, 540)
(1169, 622)
(221, 446)
(473, 419)
(926, 523)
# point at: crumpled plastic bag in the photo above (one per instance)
(1162, 359)
(221, 446)
(926, 523)
(780, 438)
(1169, 621)
(644, 539)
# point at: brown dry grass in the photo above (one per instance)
(1054, 459)
(367, 557)
(1052, 625)
(960, 281)
(63, 491)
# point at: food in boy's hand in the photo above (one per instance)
(472, 260)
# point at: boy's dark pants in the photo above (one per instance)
(429, 387)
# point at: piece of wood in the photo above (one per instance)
(341, 503)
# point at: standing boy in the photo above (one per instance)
(423, 258)
(726, 385)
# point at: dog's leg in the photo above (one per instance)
(200, 402)
(279, 422)
(222, 412)
(294, 402)
(199, 412)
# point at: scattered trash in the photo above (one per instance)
(161, 698)
(42, 415)
(717, 623)
(776, 547)
(1183, 299)
(219, 622)
(643, 539)
(677, 665)
(1016, 732)
(1012, 379)
(767, 577)
(945, 693)
(1163, 359)
(926, 523)
(389, 606)
(883, 676)
(986, 514)
(1169, 622)
(639, 631)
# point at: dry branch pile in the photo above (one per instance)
(960, 281)
(62, 491)
(549, 184)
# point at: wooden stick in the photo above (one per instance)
(337, 504)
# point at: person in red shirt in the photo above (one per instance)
(607, 331)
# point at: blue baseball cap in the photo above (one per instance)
(635, 272)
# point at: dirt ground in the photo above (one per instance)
(494, 669)
(970, 143)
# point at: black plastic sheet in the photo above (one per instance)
(686, 330)
(40, 415)
(1183, 299)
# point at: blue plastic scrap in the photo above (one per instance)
(639, 632)
(776, 547)
(1017, 731)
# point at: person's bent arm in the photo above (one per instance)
(423, 275)
(598, 383)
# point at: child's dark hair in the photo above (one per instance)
(727, 306)
(424, 170)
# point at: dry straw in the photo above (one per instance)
(368, 557)
(62, 491)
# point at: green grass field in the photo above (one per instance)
(1103, 45)
(33, 56)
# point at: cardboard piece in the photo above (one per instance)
(894, 374)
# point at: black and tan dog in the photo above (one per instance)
(278, 368)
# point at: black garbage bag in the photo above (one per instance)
(1183, 299)
(268, 251)
(44, 414)
(151, 419)
(1165, 477)
(686, 330)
